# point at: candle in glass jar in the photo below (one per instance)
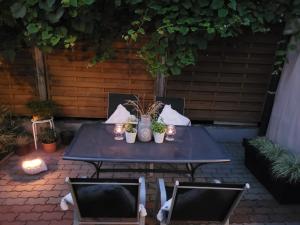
(170, 133)
(118, 131)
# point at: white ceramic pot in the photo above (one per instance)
(130, 137)
(159, 137)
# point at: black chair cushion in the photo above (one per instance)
(107, 200)
(114, 99)
(176, 103)
(204, 204)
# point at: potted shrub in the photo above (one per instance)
(42, 109)
(130, 133)
(48, 138)
(276, 168)
(23, 144)
(159, 130)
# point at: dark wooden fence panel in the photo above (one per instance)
(82, 91)
(17, 83)
(230, 81)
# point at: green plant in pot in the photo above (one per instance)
(159, 130)
(23, 143)
(130, 133)
(48, 138)
(42, 109)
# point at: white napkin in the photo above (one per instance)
(67, 199)
(171, 116)
(162, 213)
(120, 115)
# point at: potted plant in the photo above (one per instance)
(23, 144)
(145, 112)
(159, 130)
(130, 133)
(48, 138)
(42, 109)
(275, 167)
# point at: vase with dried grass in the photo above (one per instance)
(145, 113)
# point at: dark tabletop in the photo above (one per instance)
(95, 142)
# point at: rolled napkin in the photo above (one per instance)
(120, 115)
(163, 212)
(67, 199)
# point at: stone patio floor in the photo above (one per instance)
(34, 200)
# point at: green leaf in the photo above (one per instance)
(50, 3)
(184, 30)
(187, 4)
(203, 3)
(222, 12)
(73, 3)
(175, 70)
(55, 17)
(217, 4)
(232, 4)
(89, 2)
(18, 10)
(46, 35)
(54, 40)
(33, 28)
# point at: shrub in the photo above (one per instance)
(158, 127)
(284, 163)
(48, 136)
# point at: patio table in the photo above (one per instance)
(193, 146)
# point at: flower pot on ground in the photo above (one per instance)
(42, 109)
(275, 168)
(23, 144)
(48, 138)
(159, 130)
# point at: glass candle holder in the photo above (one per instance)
(119, 131)
(170, 133)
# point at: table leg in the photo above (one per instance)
(192, 169)
(97, 166)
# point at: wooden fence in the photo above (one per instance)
(228, 84)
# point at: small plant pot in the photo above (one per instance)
(66, 137)
(130, 137)
(49, 147)
(159, 137)
(23, 149)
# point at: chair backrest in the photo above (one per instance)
(205, 201)
(114, 99)
(105, 198)
(177, 104)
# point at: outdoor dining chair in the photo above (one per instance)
(108, 201)
(177, 104)
(114, 99)
(213, 202)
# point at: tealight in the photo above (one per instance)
(119, 131)
(170, 133)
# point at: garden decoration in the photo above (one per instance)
(145, 112)
(276, 168)
(34, 166)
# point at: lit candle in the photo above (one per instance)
(170, 133)
(34, 166)
(118, 131)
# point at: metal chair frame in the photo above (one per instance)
(162, 195)
(78, 219)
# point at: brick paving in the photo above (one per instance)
(34, 200)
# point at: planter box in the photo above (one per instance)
(283, 191)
